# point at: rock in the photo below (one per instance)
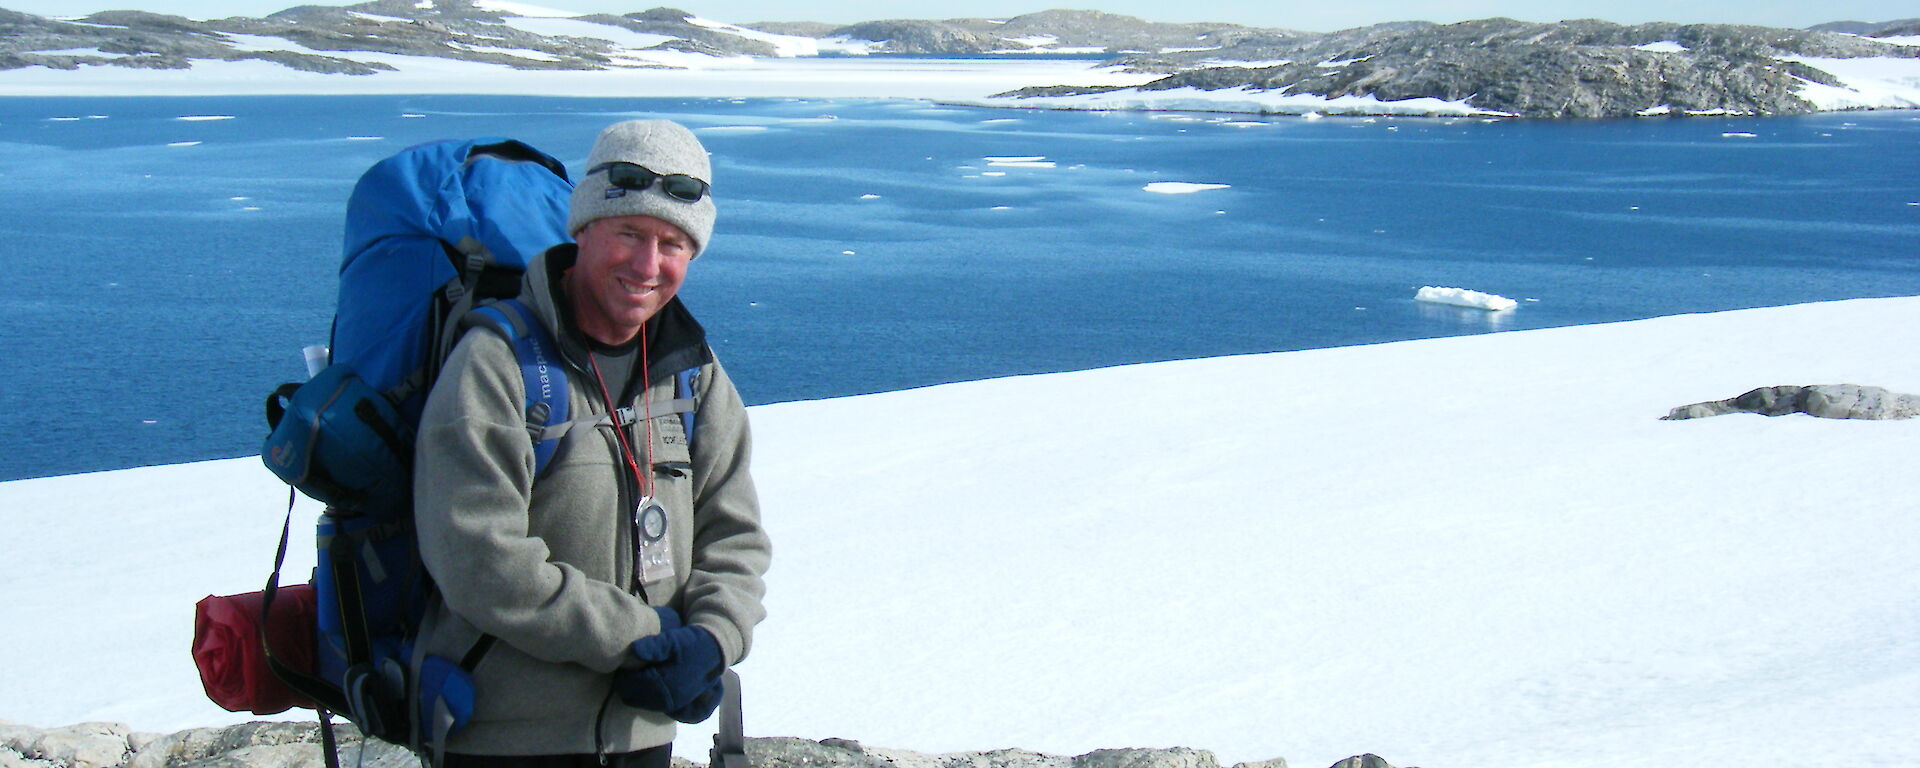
(12, 759)
(1176, 757)
(86, 745)
(783, 752)
(1828, 401)
(1363, 761)
(1278, 762)
(847, 744)
(1577, 68)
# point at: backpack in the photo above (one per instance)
(437, 239)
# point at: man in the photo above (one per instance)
(619, 584)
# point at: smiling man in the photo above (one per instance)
(604, 595)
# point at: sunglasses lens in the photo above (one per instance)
(627, 176)
(685, 188)
(678, 186)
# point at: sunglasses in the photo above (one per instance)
(678, 186)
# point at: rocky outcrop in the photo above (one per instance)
(297, 745)
(1828, 401)
(1871, 29)
(1044, 30)
(1570, 69)
(1584, 68)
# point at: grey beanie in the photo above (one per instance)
(661, 146)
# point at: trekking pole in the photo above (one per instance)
(730, 744)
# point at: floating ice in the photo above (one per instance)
(1022, 161)
(1002, 208)
(1181, 187)
(869, 197)
(1739, 135)
(365, 138)
(412, 114)
(993, 173)
(183, 143)
(64, 119)
(1461, 297)
(203, 118)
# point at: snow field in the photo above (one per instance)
(1471, 551)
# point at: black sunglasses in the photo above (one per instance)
(678, 186)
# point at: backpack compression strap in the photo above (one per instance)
(540, 370)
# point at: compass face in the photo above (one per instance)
(653, 522)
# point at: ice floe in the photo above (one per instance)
(1181, 187)
(203, 118)
(183, 143)
(1023, 161)
(1461, 297)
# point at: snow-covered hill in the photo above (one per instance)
(1467, 552)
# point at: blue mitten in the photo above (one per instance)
(681, 664)
(702, 706)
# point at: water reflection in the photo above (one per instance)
(1467, 318)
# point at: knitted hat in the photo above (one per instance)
(661, 146)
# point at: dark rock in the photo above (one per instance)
(912, 36)
(1582, 68)
(812, 29)
(1829, 401)
(1363, 761)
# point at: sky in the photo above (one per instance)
(1320, 17)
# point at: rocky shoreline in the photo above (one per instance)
(1572, 69)
(297, 745)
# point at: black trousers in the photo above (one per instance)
(656, 757)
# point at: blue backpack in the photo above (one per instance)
(437, 234)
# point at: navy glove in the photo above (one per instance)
(681, 666)
(702, 706)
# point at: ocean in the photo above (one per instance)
(167, 258)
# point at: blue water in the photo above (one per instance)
(148, 311)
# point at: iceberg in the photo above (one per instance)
(1461, 297)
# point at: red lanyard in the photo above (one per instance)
(644, 481)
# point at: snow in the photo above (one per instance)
(784, 46)
(523, 10)
(1882, 82)
(1472, 551)
(1180, 187)
(1242, 99)
(739, 77)
(1461, 297)
(1664, 46)
(568, 27)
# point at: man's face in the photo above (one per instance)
(629, 267)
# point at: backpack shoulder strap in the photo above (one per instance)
(683, 384)
(540, 370)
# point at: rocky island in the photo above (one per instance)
(1500, 67)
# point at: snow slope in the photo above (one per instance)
(1456, 553)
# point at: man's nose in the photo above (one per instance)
(648, 258)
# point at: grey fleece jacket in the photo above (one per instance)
(548, 568)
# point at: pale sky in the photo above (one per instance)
(1319, 17)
